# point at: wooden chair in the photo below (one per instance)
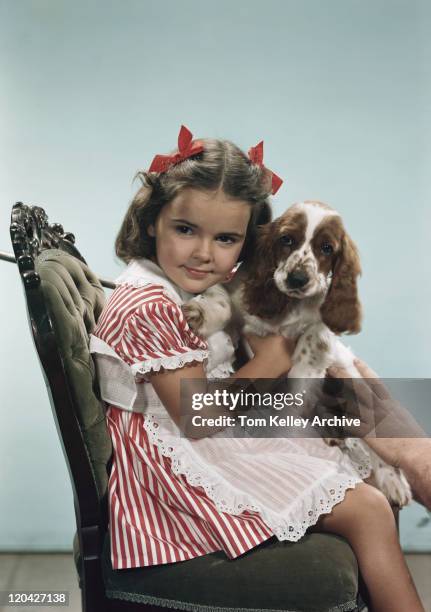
(64, 299)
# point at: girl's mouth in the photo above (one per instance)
(193, 273)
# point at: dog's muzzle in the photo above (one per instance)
(297, 279)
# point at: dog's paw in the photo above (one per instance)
(208, 312)
(393, 484)
(195, 315)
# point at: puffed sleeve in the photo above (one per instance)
(157, 336)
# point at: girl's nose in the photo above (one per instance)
(203, 251)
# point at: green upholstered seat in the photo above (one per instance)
(319, 573)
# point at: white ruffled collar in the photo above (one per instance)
(142, 271)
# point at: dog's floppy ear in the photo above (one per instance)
(261, 215)
(341, 310)
(261, 296)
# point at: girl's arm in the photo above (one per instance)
(272, 359)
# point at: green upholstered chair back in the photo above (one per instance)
(74, 298)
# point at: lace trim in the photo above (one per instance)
(223, 370)
(172, 362)
(138, 282)
(323, 498)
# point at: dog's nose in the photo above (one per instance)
(297, 279)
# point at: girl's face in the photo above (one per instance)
(199, 236)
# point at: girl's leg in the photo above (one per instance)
(366, 520)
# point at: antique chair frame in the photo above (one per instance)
(30, 234)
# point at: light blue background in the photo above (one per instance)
(92, 90)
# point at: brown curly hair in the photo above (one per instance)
(221, 165)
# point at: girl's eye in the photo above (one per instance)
(183, 229)
(226, 239)
(327, 248)
(287, 240)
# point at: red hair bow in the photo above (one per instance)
(255, 155)
(186, 149)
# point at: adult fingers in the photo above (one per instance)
(337, 372)
(372, 379)
(364, 369)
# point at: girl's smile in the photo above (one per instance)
(196, 273)
(199, 236)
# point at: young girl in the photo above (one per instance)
(174, 498)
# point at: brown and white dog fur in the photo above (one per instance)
(301, 282)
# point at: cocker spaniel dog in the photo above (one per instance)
(301, 282)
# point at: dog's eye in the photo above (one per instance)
(287, 240)
(327, 248)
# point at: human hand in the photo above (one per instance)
(278, 348)
(411, 451)
(352, 397)
(377, 405)
(367, 374)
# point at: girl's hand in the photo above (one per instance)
(274, 348)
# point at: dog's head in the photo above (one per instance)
(306, 253)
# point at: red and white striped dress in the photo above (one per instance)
(172, 498)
